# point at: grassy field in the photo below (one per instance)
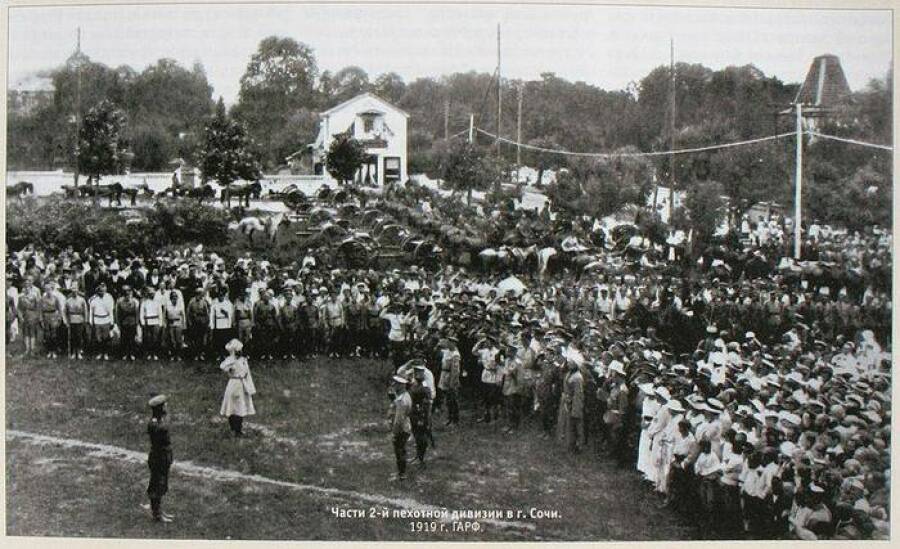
(319, 441)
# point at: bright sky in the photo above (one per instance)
(602, 45)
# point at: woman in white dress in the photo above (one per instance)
(649, 408)
(237, 402)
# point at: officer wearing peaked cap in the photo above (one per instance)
(616, 411)
(160, 457)
(401, 425)
(420, 414)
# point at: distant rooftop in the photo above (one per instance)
(32, 83)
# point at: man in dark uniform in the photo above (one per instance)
(616, 412)
(266, 320)
(197, 324)
(398, 415)
(420, 415)
(126, 315)
(160, 457)
(290, 325)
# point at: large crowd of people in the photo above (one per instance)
(755, 400)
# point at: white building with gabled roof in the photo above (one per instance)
(378, 125)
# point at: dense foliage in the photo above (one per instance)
(345, 155)
(283, 88)
(227, 153)
(277, 93)
(55, 222)
(165, 106)
(601, 187)
(466, 168)
(99, 141)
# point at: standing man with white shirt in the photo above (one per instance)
(221, 320)
(102, 309)
(448, 383)
(396, 333)
(152, 319)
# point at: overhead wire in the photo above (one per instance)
(851, 141)
(638, 154)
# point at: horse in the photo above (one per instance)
(131, 191)
(71, 191)
(200, 192)
(269, 227)
(242, 192)
(112, 191)
(19, 189)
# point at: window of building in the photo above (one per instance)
(391, 168)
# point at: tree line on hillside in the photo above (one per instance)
(166, 110)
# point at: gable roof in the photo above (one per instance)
(369, 95)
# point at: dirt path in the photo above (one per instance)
(190, 469)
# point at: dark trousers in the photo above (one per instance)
(708, 490)
(619, 439)
(236, 423)
(265, 341)
(400, 451)
(76, 337)
(758, 515)
(195, 340)
(421, 436)
(548, 416)
(398, 353)
(152, 338)
(51, 337)
(337, 341)
(514, 409)
(219, 339)
(159, 463)
(101, 338)
(729, 513)
(126, 341)
(492, 396)
(451, 398)
(290, 341)
(575, 434)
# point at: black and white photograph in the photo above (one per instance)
(457, 272)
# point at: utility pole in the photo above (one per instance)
(671, 127)
(446, 119)
(499, 91)
(77, 101)
(519, 127)
(472, 128)
(798, 182)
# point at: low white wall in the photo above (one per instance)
(46, 183)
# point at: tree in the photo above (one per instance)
(749, 174)
(349, 82)
(705, 207)
(166, 103)
(99, 147)
(298, 130)
(542, 160)
(152, 148)
(390, 86)
(465, 167)
(278, 82)
(344, 157)
(227, 153)
(601, 187)
(97, 83)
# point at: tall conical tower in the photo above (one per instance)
(825, 85)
